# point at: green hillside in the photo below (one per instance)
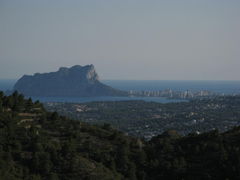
(36, 144)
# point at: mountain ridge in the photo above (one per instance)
(76, 81)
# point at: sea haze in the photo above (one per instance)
(7, 84)
(226, 87)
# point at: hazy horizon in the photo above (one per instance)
(15, 79)
(124, 40)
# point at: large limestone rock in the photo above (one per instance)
(77, 81)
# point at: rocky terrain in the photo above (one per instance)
(77, 81)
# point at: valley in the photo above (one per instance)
(148, 119)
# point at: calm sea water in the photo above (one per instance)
(7, 84)
(226, 87)
(105, 98)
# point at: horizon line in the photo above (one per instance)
(15, 79)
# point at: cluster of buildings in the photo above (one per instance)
(169, 93)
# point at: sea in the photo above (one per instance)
(223, 87)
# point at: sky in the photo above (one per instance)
(123, 39)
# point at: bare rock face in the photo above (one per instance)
(77, 81)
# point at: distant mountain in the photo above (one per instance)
(77, 81)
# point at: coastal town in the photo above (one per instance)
(148, 119)
(173, 94)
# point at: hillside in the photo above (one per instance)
(36, 144)
(77, 81)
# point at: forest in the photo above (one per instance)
(39, 145)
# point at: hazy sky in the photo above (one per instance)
(124, 39)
